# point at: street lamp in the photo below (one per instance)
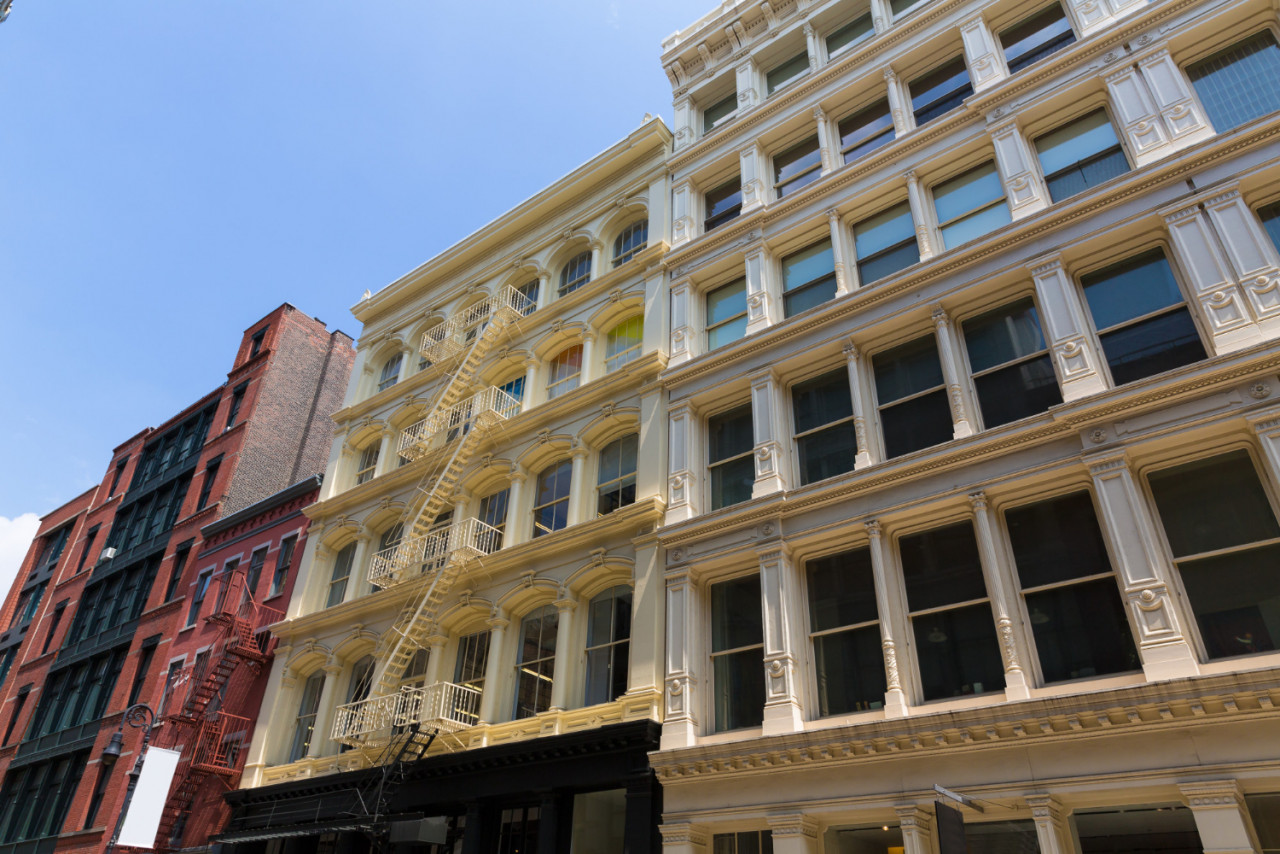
(139, 716)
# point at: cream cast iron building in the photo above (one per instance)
(974, 426)
(483, 561)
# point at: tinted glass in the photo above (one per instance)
(1240, 84)
(958, 652)
(849, 667)
(793, 161)
(941, 567)
(827, 453)
(808, 264)
(724, 198)
(1152, 346)
(727, 301)
(1018, 391)
(1056, 540)
(921, 422)
(970, 205)
(942, 89)
(1236, 600)
(1081, 631)
(866, 130)
(730, 433)
(1003, 335)
(907, 369)
(842, 590)
(1270, 216)
(1036, 38)
(1213, 503)
(732, 482)
(854, 31)
(736, 619)
(787, 71)
(1139, 286)
(1077, 141)
(719, 111)
(821, 400)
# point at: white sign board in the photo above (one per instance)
(142, 821)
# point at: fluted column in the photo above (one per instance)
(828, 142)
(917, 829)
(895, 698)
(861, 406)
(921, 215)
(846, 274)
(899, 103)
(561, 677)
(1013, 644)
(1051, 825)
(962, 419)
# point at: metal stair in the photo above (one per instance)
(434, 556)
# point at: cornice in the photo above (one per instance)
(1183, 703)
(1063, 421)
(1025, 231)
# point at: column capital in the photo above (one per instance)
(1212, 793)
(793, 824)
(978, 500)
(497, 620)
(872, 527)
(682, 833)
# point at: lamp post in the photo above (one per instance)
(139, 716)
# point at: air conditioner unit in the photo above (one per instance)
(107, 554)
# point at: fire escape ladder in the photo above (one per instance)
(373, 796)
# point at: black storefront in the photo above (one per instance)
(586, 791)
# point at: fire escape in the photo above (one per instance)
(396, 724)
(210, 687)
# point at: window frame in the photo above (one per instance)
(851, 24)
(616, 359)
(748, 454)
(390, 373)
(791, 292)
(799, 436)
(546, 658)
(800, 60)
(729, 652)
(945, 102)
(744, 314)
(367, 464)
(613, 647)
(562, 469)
(709, 124)
(715, 195)
(940, 387)
(971, 214)
(575, 273)
(340, 583)
(204, 578)
(559, 381)
(911, 240)
(626, 246)
(1042, 50)
(617, 485)
(867, 143)
(1078, 165)
(809, 147)
(1211, 106)
(284, 562)
(1045, 353)
(848, 628)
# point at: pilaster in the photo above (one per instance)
(794, 833)
(827, 140)
(1267, 427)
(1023, 186)
(921, 215)
(515, 531)
(683, 226)
(1163, 646)
(1051, 825)
(682, 483)
(562, 678)
(917, 829)
(682, 122)
(772, 460)
(763, 305)
(858, 390)
(682, 333)
(780, 599)
(684, 616)
(1136, 109)
(497, 623)
(323, 723)
(1074, 354)
(1181, 112)
(747, 76)
(580, 491)
(1221, 817)
(1251, 253)
(985, 59)
(648, 621)
(903, 120)
(754, 186)
(841, 252)
(682, 837)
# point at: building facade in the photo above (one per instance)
(473, 661)
(124, 591)
(974, 439)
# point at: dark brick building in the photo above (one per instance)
(116, 585)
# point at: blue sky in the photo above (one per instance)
(173, 170)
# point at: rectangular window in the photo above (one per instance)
(940, 91)
(845, 629)
(54, 622)
(970, 205)
(797, 167)
(197, 596)
(912, 395)
(808, 278)
(724, 203)
(283, 561)
(616, 486)
(726, 314)
(1270, 216)
(255, 343)
(1141, 318)
(341, 573)
(731, 463)
(1080, 155)
(237, 400)
(1168, 828)
(1222, 531)
(551, 499)
(473, 660)
(866, 130)
(737, 653)
(305, 722)
(885, 243)
(900, 6)
(88, 548)
(825, 440)
(210, 477)
(747, 842)
(390, 372)
(1036, 37)
(1241, 83)
(1012, 368)
(493, 512)
(256, 562)
(793, 69)
(622, 344)
(719, 112)
(171, 686)
(565, 373)
(1073, 601)
(19, 703)
(849, 35)
(115, 478)
(535, 672)
(529, 290)
(513, 389)
(608, 645)
(955, 633)
(179, 563)
(368, 465)
(145, 653)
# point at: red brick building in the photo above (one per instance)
(127, 581)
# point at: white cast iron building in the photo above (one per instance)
(974, 426)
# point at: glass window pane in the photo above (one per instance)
(723, 204)
(1158, 344)
(1036, 38)
(1270, 216)
(1057, 540)
(1081, 630)
(941, 90)
(730, 433)
(823, 290)
(1003, 837)
(719, 111)
(1213, 503)
(885, 229)
(1265, 812)
(726, 301)
(1167, 828)
(1136, 287)
(907, 369)
(958, 652)
(976, 224)
(821, 400)
(888, 263)
(797, 159)
(810, 263)
(739, 689)
(1076, 141)
(851, 33)
(1241, 83)
(1003, 335)
(866, 130)
(921, 422)
(941, 567)
(736, 619)
(786, 72)
(1018, 391)
(964, 193)
(849, 667)
(842, 590)
(732, 482)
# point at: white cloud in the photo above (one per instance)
(15, 538)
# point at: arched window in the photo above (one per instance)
(360, 684)
(623, 342)
(390, 372)
(435, 551)
(305, 722)
(551, 501)
(536, 667)
(341, 573)
(416, 673)
(529, 291)
(617, 483)
(608, 643)
(368, 465)
(633, 239)
(566, 371)
(576, 273)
